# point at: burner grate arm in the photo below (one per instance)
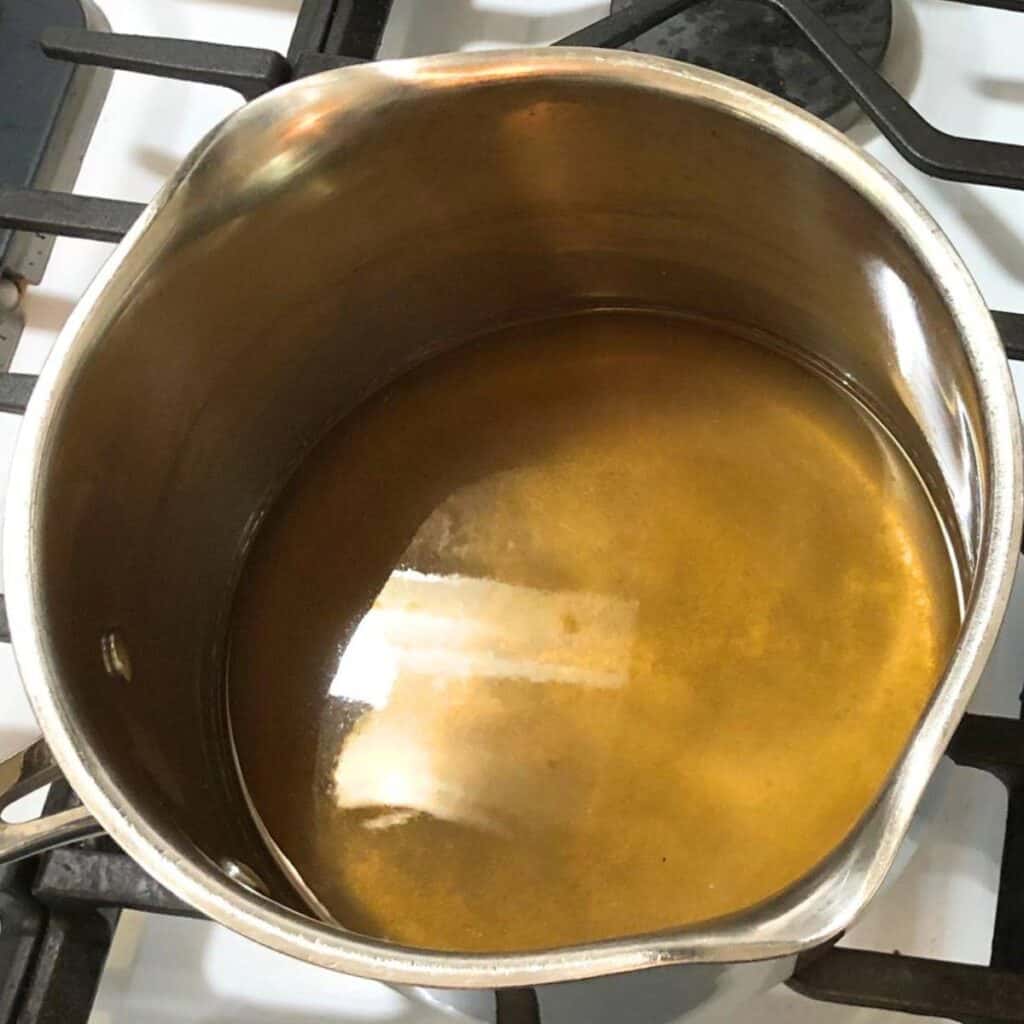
(248, 71)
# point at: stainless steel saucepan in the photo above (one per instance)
(332, 234)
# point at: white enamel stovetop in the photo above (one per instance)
(961, 67)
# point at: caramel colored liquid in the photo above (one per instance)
(600, 626)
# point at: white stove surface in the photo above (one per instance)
(961, 66)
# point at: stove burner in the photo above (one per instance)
(50, 110)
(749, 40)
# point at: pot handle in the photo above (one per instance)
(20, 775)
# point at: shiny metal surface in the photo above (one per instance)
(344, 228)
(21, 774)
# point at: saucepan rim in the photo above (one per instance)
(802, 917)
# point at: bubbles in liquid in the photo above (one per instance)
(599, 626)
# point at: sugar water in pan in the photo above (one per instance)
(596, 626)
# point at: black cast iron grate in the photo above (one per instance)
(59, 910)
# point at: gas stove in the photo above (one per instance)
(117, 98)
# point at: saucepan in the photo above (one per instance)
(334, 233)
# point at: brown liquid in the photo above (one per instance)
(604, 625)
